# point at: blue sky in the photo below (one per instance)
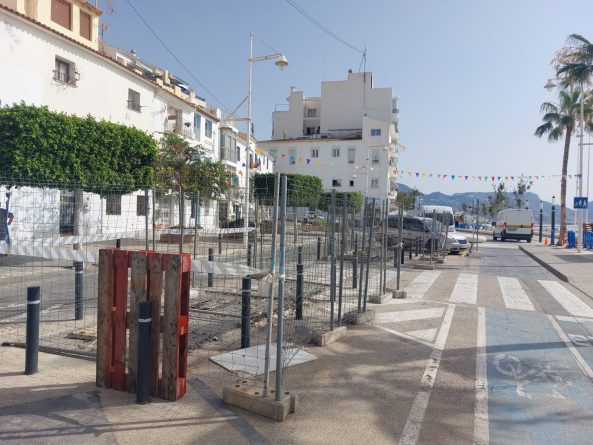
(469, 73)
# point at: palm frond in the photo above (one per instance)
(578, 40)
(548, 107)
(543, 129)
(556, 134)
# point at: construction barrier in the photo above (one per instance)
(158, 278)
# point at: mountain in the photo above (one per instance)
(457, 200)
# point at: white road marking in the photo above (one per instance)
(414, 314)
(466, 289)
(418, 287)
(481, 423)
(415, 418)
(514, 295)
(405, 336)
(573, 319)
(570, 302)
(424, 334)
(578, 357)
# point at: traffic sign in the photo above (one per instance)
(580, 202)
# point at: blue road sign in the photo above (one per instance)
(580, 202)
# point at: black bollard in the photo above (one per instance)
(410, 251)
(210, 274)
(220, 244)
(143, 361)
(78, 290)
(118, 243)
(402, 253)
(245, 312)
(299, 284)
(249, 253)
(32, 340)
(318, 248)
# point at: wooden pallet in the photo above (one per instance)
(162, 279)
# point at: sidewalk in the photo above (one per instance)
(567, 264)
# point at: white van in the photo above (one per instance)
(514, 224)
(443, 214)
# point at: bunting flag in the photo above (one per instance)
(453, 177)
(308, 161)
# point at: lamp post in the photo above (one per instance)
(552, 243)
(541, 220)
(281, 63)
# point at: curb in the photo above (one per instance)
(546, 265)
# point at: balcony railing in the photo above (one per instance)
(63, 77)
(133, 105)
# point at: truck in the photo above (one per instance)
(513, 224)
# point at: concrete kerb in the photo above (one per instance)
(380, 299)
(546, 265)
(251, 399)
(326, 337)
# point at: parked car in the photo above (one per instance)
(514, 224)
(313, 218)
(416, 227)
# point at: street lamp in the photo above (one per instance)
(281, 62)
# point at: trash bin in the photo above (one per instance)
(572, 239)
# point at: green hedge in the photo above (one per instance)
(56, 149)
(355, 200)
(303, 190)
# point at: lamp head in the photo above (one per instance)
(550, 85)
(281, 62)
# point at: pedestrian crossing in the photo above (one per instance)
(429, 293)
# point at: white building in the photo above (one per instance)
(347, 137)
(51, 55)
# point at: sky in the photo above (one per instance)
(469, 73)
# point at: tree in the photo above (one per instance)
(521, 188)
(355, 200)
(303, 190)
(574, 62)
(560, 120)
(497, 202)
(408, 198)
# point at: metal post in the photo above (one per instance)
(249, 254)
(153, 218)
(342, 251)
(384, 260)
(477, 224)
(446, 218)
(146, 207)
(32, 339)
(78, 290)
(245, 312)
(143, 359)
(364, 212)
(400, 229)
(210, 274)
(553, 229)
(220, 243)
(196, 201)
(299, 284)
(368, 259)
(541, 220)
(281, 281)
(272, 272)
(255, 234)
(382, 263)
(318, 248)
(355, 263)
(181, 219)
(332, 252)
(432, 234)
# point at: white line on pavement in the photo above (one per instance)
(405, 336)
(415, 418)
(481, 425)
(466, 289)
(578, 357)
(569, 301)
(514, 295)
(414, 314)
(418, 287)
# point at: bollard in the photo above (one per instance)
(299, 284)
(220, 244)
(402, 252)
(245, 312)
(143, 360)
(410, 251)
(249, 253)
(32, 340)
(118, 243)
(318, 248)
(210, 274)
(78, 290)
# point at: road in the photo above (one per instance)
(509, 352)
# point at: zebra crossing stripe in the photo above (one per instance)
(466, 289)
(421, 284)
(572, 304)
(514, 295)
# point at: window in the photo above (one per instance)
(61, 13)
(315, 152)
(208, 130)
(375, 132)
(291, 156)
(197, 125)
(310, 130)
(85, 25)
(376, 156)
(113, 205)
(336, 183)
(352, 183)
(374, 183)
(351, 155)
(335, 152)
(134, 100)
(312, 112)
(223, 211)
(142, 205)
(65, 72)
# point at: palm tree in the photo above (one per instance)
(574, 62)
(560, 120)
